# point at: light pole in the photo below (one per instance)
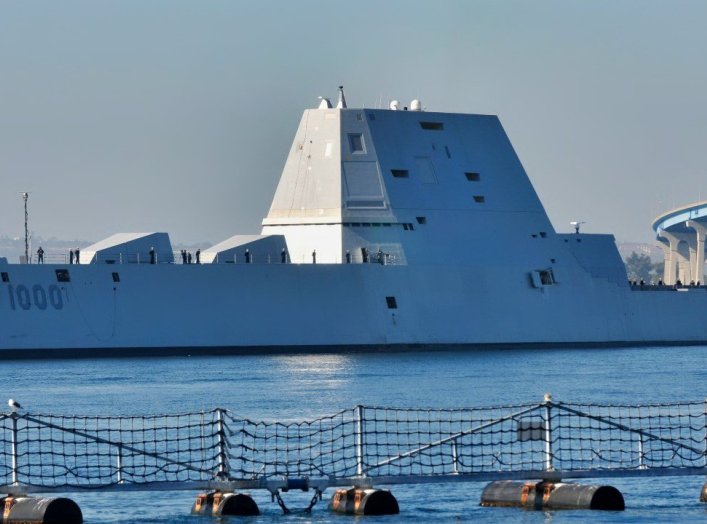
(25, 197)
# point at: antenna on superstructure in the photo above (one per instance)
(341, 104)
(576, 224)
(25, 197)
(324, 103)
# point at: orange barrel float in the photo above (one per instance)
(551, 495)
(217, 503)
(356, 501)
(703, 494)
(40, 510)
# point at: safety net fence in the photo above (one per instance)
(65, 451)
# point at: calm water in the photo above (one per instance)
(304, 386)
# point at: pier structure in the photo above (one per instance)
(681, 235)
(527, 451)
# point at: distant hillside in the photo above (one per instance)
(652, 250)
(12, 248)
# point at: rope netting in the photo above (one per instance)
(79, 451)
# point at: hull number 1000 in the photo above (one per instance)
(39, 297)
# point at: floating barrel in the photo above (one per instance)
(217, 503)
(40, 510)
(550, 495)
(364, 502)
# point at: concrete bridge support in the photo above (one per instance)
(677, 265)
(698, 264)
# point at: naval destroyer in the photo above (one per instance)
(394, 228)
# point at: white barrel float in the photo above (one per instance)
(40, 510)
(551, 495)
(217, 503)
(356, 501)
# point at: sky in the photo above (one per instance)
(173, 115)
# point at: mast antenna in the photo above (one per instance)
(25, 197)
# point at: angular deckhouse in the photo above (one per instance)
(388, 229)
(419, 186)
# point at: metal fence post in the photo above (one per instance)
(13, 417)
(704, 453)
(222, 457)
(119, 461)
(455, 457)
(548, 433)
(359, 440)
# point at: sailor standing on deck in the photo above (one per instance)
(40, 255)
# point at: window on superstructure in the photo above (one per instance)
(547, 278)
(472, 177)
(5, 277)
(432, 126)
(400, 173)
(421, 220)
(541, 278)
(479, 199)
(116, 277)
(356, 143)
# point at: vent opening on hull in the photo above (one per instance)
(432, 126)
(5, 277)
(392, 303)
(62, 275)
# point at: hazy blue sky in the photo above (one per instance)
(178, 115)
